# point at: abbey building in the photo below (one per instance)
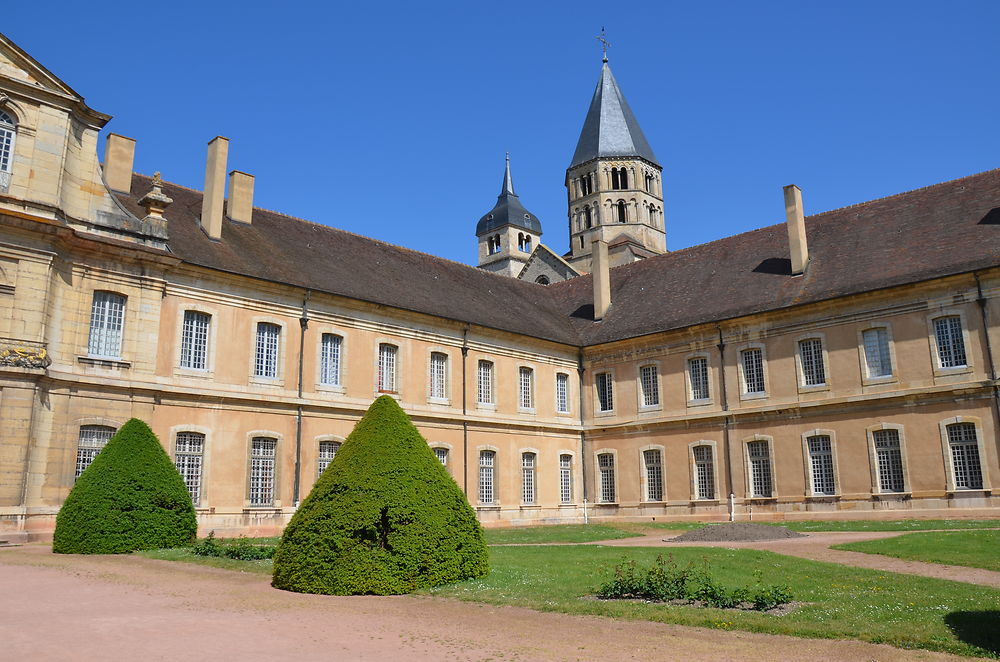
(842, 363)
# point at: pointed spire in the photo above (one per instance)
(508, 210)
(508, 184)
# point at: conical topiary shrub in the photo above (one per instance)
(129, 498)
(384, 518)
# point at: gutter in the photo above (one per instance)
(726, 423)
(303, 325)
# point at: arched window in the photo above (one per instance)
(494, 244)
(8, 130)
(588, 219)
(542, 280)
(623, 178)
(527, 244)
(649, 183)
(622, 211)
(615, 180)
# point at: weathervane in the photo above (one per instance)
(604, 43)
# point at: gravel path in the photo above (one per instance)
(131, 608)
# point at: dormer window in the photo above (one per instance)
(8, 130)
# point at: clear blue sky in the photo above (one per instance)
(391, 119)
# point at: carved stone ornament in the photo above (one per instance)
(19, 357)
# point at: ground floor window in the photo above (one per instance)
(704, 472)
(189, 453)
(759, 457)
(653, 460)
(821, 464)
(327, 451)
(487, 461)
(566, 478)
(606, 465)
(262, 455)
(965, 462)
(888, 460)
(92, 440)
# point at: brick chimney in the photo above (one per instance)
(215, 187)
(240, 204)
(797, 245)
(601, 272)
(119, 155)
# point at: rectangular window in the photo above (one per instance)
(387, 368)
(485, 396)
(528, 478)
(562, 393)
(704, 472)
(950, 343)
(441, 454)
(759, 456)
(439, 375)
(487, 460)
(753, 370)
(92, 439)
(194, 340)
(698, 376)
(266, 357)
(527, 388)
(107, 318)
(889, 460)
(649, 382)
(877, 358)
(605, 391)
(262, 454)
(821, 464)
(653, 460)
(811, 356)
(6, 149)
(329, 359)
(965, 456)
(566, 479)
(327, 451)
(606, 465)
(188, 458)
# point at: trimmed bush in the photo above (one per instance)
(131, 497)
(385, 518)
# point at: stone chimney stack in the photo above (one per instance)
(796, 229)
(119, 154)
(240, 205)
(601, 272)
(215, 187)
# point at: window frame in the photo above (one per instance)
(279, 378)
(90, 353)
(275, 472)
(689, 385)
(808, 467)
(950, 479)
(530, 371)
(866, 378)
(527, 471)
(113, 426)
(657, 388)
(209, 370)
(481, 404)
(693, 470)
(321, 385)
(568, 410)
(870, 433)
(319, 441)
(940, 369)
(175, 433)
(824, 363)
(494, 474)
(752, 395)
(447, 448)
(7, 172)
(599, 409)
(396, 368)
(571, 480)
(748, 463)
(600, 474)
(644, 476)
(445, 397)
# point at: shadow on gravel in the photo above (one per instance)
(978, 628)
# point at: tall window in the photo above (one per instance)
(8, 129)
(877, 358)
(194, 340)
(92, 439)
(528, 478)
(605, 391)
(588, 219)
(387, 368)
(698, 378)
(439, 375)
(487, 460)
(753, 370)
(889, 460)
(494, 244)
(619, 178)
(653, 460)
(527, 388)
(329, 359)
(811, 356)
(523, 242)
(621, 211)
(107, 317)
(965, 456)
(586, 184)
(485, 394)
(562, 392)
(262, 454)
(189, 459)
(266, 357)
(704, 472)
(441, 454)
(821, 464)
(950, 343)
(327, 451)
(649, 382)
(566, 478)
(759, 457)
(606, 466)
(649, 183)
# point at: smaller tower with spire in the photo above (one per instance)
(508, 233)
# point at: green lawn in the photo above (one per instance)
(975, 549)
(892, 525)
(555, 533)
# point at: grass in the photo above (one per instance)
(973, 549)
(892, 525)
(557, 533)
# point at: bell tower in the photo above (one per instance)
(508, 233)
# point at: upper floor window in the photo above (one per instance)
(821, 464)
(262, 455)
(329, 359)
(950, 342)
(605, 391)
(387, 368)
(493, 244)
(92, 439)
(487, 462)
(698, 378)
(811, 357)
(965, 462)
(8, 131)
(753, 370)
(649, 183)
(704, 472)
(621, 211)
(588, 219)
(566, 478)
(649, 383)
(189, 453)
(587, 184)
(107, 318)
(266, 355)
(439, 375)
(523, 242)
(889, 460)
(759, 458)
(528, 478)
(562, 392)
(485, 393)
(619, 178)
(877, 359)
(526, 383)
(327, 451)
(653, 459)
(194, 340)
(606, 466)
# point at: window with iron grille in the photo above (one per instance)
(528, 478)
(650, 384)
(965, 456)
(92, 439)
(562, 392)
(889, 460)
(606, 465)
(189, 453)
(877, 358)
(811, 356)
(327, 451)
(107, 318)
(753, 370)
(704, 472)
(387, 368)
(194, 340)
(821, 464)
(441, 454)
(262, 455)
(527, 388)
(329, 359)
(566, 479)
(759, 456)
(950, 343)
(485, 395)
(605, 391)
(653, 460)
(266, 356)
(8, 131)
(439, 375)
(487, 468)
(698, 376)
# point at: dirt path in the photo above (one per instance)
(126, 607)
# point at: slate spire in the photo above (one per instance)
(508, 210)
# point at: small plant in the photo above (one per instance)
(241, 550)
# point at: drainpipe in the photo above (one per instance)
(303, 325)
(465, 411)
(985, 317)
(725, 426)
(583, 435)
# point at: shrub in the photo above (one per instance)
(241, 550)
(384, 518)
(129, 498)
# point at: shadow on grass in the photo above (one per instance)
(977, 628)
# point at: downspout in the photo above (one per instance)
(465, 411)
(725, 425)
(985, 317)
(303, 325)
(583, 435)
